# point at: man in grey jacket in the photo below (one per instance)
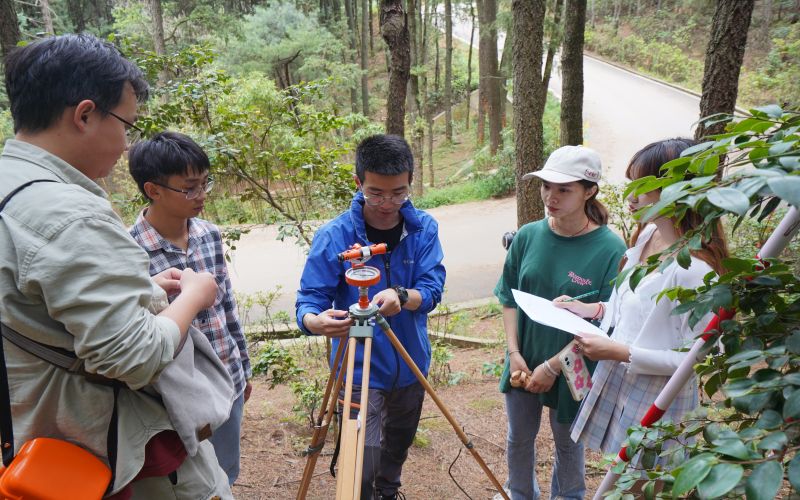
(72, 277)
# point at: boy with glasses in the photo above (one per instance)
(171, 171)
(412, 281)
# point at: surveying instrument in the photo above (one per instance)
(353, 430)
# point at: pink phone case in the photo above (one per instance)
(573, 366)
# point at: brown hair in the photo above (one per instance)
(595, 211)
(648, 161)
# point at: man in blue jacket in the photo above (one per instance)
(412, 281)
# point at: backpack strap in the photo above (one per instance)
(6, 429)
(61, 358)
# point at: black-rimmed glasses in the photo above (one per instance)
(128, 125)
(194, 192)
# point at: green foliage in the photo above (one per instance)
(283, 148)
(619, 215)
(776, 80)
(440, 372)
(277, 363)
(493, 368)
(657, 58)
(279, 32)
(308, 396)
(746, 442)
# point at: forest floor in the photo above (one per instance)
(274, 436)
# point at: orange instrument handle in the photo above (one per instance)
(359, 252)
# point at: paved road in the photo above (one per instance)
(622, 113)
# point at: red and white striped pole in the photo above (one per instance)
(781, 237)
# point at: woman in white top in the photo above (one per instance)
(640, 356)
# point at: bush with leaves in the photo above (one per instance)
(277, 363)
(282, 148)
(743, 442)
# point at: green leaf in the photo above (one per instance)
(793, 472)
(781, 147)
(791, 407)
(787, 188)
(684, 257)
(739, 387)
(729, 199)
(692, 472)
(753, 403)
(770, 419)
(764, 481)
(774, 441)
(731, 447)
(722, 479)
(771, 110)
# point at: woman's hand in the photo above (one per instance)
(540, 381)
(577, 307)
(517, 362)
(597, 347)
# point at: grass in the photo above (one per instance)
(485, 404)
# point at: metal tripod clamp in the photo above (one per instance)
(363, 320)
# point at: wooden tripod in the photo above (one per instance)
(353, 435)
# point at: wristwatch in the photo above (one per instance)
(402, 294)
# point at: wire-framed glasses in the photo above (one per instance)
(375, 200)
(194, 192)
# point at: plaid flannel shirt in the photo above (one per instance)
(220, 323)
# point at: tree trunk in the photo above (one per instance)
(371, 34)
(351, 27)
(47, 17)
(394, 30)
(437, 60)
(572, 74)
(76, 15)
(448, 70)
(504, 72)
(493, 76)
(766, 20)
(483, 90)
(469, 64)
(724, 56)
(365, 22)
(552, 47)
(9, 26)
(413, 99)
(528, 28)
(425, 22)
(617, 13)
(594, 7)
(158, 26)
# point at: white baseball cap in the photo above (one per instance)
(569, 164)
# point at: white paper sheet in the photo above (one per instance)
(543, 311)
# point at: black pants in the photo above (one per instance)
(392, 422)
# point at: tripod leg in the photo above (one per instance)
(429, 389)
(347, 460)
(323, 421)
(363, 413)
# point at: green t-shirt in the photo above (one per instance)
(543, 263)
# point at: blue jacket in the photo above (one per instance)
(415, 263)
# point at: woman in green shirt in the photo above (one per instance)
(570, 252)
